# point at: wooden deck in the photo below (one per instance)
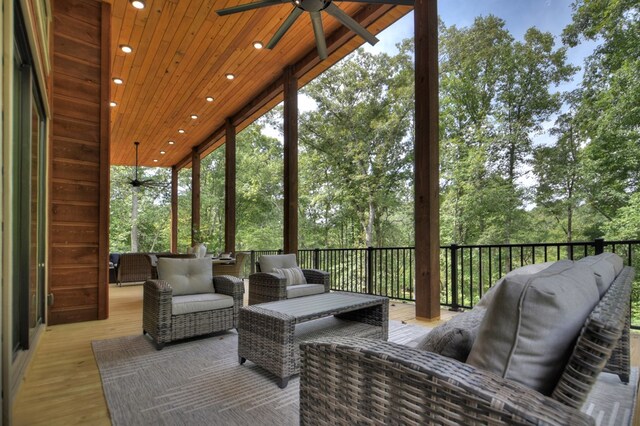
(62, 385)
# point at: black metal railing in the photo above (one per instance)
(466, 271)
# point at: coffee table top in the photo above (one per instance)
(319, 305)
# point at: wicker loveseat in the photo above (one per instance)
(269, 285)
(361, 381)
(188, 301)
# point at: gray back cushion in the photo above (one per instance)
(603, 270)
(523, 270)
(269, 262)
(615, 260)
(187, 276)
(530, 327)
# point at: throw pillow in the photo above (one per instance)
(455, 337)
(293, 275)
(186, 276)
(530, 327)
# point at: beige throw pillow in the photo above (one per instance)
(530, 327)
(293, 275)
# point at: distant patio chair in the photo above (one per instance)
(279, 279)
(134, 267)
(235, 269)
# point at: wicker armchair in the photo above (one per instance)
(361, 381)
(134, 267)
(234, 269)
(266, 286)
(167, 317)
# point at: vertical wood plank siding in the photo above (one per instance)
(79, 150)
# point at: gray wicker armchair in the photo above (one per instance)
(267, 286)
(361, 381)
(134, 267)
(169, 314)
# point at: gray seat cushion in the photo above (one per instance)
(191, 303)
(186, 276)
(455, 337)
(530, 327)
(299, 290)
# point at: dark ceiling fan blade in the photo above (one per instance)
(295, 13)
(318, 31)
(249, 6)
(350, 23)
(394, 2)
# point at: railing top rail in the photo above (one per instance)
(573, 243)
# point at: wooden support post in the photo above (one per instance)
(195, 197)
(427, 227)
(104, 188)
(174, 209)
(290, 126)
(230, 188)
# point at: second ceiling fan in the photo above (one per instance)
(314, 7)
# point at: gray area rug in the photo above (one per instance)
(200, 382)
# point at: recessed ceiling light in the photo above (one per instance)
(155, 161)
(138, 4)
(193, 116)
(180, 131)
(258, 44)
(209, 98)
(113, 104)
(162, 152)
(125, 48)
(171, 142)
(117, 80)
(230, 76)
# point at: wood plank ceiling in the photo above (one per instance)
(182, 51)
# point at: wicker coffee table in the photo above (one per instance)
(269, 334)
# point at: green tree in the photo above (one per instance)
(558, 172)
(609, 113)
(139, 216)
(495, 94)
(360, 139)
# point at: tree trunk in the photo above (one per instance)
(134, 220)
(369, 227)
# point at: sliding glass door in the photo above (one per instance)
(28, 181)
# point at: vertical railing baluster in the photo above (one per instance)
(369, 268)
(454, 278)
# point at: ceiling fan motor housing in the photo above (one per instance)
(311, 5)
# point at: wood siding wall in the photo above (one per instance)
(79, 160)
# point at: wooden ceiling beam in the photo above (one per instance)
(367, 16)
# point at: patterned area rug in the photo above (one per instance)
(200, 382)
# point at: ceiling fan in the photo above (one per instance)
(314, 7)
(136, 183)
